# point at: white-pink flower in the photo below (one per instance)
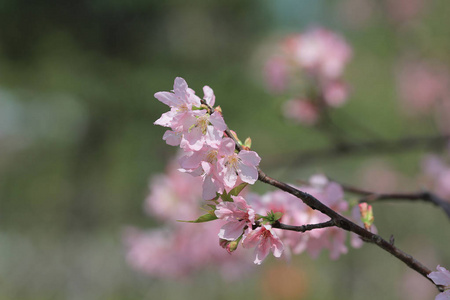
(232, 164)
(441, 277)
(323, 53)
(201, 128)
(265, 240)
(180, 101)
(238, 215)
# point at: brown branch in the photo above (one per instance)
(339, 220)
(425, 196)
(303, 228)
(344, 223)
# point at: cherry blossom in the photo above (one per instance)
(232, 164)
(265, 240)
(238, 215)
(441, 277)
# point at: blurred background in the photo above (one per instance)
(78, 145)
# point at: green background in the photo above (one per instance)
(78, 144)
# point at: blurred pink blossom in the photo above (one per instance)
(301, 111)
(308, 68)
(276, 73)
(322, 53)
(422, 85)
(173, 196)
(180, 251)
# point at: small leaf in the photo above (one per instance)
(226, 197)
(277, 216)
(210, 216)
(238, 189)
(248, 143)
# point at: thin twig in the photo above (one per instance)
(303, 228)
(425, 196)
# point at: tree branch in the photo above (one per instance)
(303, 228)
(425, 196)
(339, 220)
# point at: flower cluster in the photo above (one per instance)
(178, 249)
(208, 151)
(295, 212)
(441, 277)
(423, 88)
(315, 61)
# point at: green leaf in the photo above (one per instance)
(210, 216)
(238, 189)
(226, 197)
(277, 216)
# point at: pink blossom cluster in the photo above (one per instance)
(314, 60)
(441, 277)
(423, 88)
(178, 249)
(240, 219)
(207, 151)
(297, 213)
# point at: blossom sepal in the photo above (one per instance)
(272, 217)
(234, 192)
(210, 216)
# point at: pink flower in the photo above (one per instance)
(441, 277)
(173, 196)
(335, 93)
(238, 215)
(180, 102)
(301, 111)
(264, 239)
(323, 53)
(421, 84)
(276, 74)
(232, 164)
(201, 128)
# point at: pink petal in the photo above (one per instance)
(210, 98)
(172, 138)
(180, 86)
(166, 119)
(168, 98)
(227, 147)
(277, 246)
(191, 160)
(230, 177)
(252, 238)
(443, 296)
(192, 140)
(262, 250)
(248, 174)
(217, 120)
(231, 231)
(249, 157)
(209, 188)
(441, 276)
